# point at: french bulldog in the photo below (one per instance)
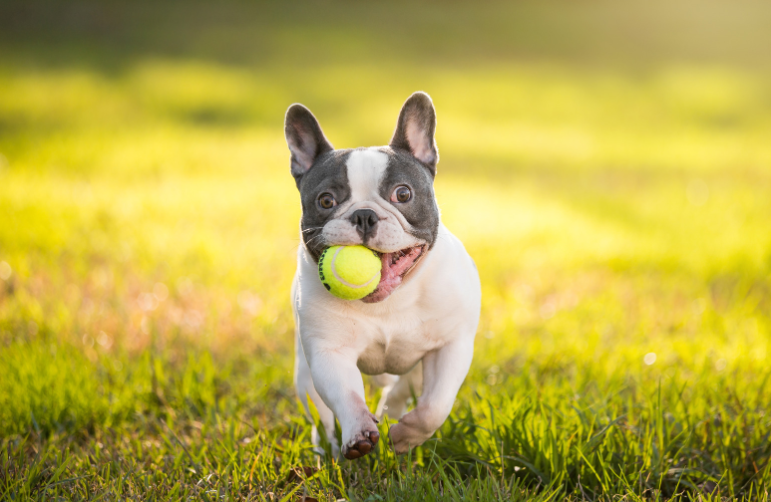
(415, 332)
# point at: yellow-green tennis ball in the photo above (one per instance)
(349, 272)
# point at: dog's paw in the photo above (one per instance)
(404, 437)
(410, 432)
(361, 444)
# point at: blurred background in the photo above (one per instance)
(607, 164)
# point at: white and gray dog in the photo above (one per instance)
(416, 330)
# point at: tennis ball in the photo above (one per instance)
(349, 272)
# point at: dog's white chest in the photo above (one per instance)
(397, 345)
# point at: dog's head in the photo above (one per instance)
(381, 197)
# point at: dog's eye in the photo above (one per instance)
(401, 194)
(327, 201)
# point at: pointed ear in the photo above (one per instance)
(415, 130)
(305, 139)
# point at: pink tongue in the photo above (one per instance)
(391, 274)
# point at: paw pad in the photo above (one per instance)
(363, 446)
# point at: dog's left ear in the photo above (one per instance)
(415, 130)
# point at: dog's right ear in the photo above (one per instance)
(305, 139)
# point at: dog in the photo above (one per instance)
(415, 332)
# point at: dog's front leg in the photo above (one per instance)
(338, 381)
(443, 373)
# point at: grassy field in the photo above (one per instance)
(607, 165)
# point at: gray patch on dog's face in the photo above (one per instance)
(330, 174)
(327, 175)
(421, 211)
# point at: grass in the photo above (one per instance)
(613, 187)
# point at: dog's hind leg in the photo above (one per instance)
(394, 400)
(305, 390)
(385, 381)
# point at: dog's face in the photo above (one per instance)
(380, 197)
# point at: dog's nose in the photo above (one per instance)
(364, 220)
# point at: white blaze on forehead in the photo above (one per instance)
(365, 170)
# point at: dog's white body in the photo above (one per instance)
(427, 324)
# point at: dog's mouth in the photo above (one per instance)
(395, 267)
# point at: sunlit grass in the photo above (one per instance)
(619, 220)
